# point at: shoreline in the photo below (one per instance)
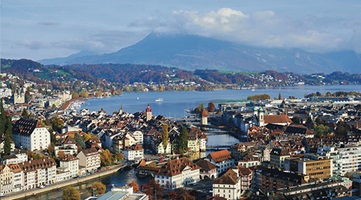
(59, 185)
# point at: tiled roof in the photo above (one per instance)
(220, 156)
(176, 166)
(90, 151)
(229, 178)
(26, 126)
(14, 168)
(33, 165)
(206, 165)
(276, 119)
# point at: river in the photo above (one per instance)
(174, 105)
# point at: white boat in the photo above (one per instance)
(159, 100)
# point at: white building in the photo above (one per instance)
(227, 186)
(5, 92)
(177, 173)
(71, 164)
(133, 153)
(89, 159)
(31, 134)
(222, 159)
(16, 158)
(68, 146)
(38, 173)
(344, 159)
(122, 193)
(138, 136)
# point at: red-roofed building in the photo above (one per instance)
(222, 159)
(134, 153)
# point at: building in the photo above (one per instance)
(121, 193)
(205, 116)
(208, 170)
(30, 134)
(134, 153)
(177, 173)
(222, 159)
(271, 179)
(16, 158)
(138, 136)
(227, 186)
(89, 159)
(278, 156)
(316, 167)
(6, 179)
(71, 164)
(148, 113)
(345, 159)
(38, 173)
(68, 146)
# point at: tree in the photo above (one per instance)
(320, 129)
(105, 158)
(117, 157)
(2, 118)
(25, 113)
(70, 193)
(153, 188)
(134, 185)
(57, 124)
(211, 107)
(99, 187)
(182, 140)
(165, 135)
(79, 140)
(296, 119)
(61, 154)
(279, 96)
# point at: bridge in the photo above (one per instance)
(218, 147)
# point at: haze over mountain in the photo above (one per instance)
(192, 52)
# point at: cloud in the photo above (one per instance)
(260, 28)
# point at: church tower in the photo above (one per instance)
(121, 110)
(261, 116)
(148, 113)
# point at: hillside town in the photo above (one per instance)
(289, 148)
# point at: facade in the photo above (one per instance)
(30, 134)
(177, 173)
(227, 186)
(89, 159)
(161, 150)
(38, 173)
(6, 179)
(68, 147)
(316, 167)
(138, 136)
(208, 170)
(344, 159)
(278, 156)
(222, 159)
(70, 164)
(16, 158)
(134, 153)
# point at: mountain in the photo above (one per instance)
(191, 52)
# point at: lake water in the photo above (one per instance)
(174, 104)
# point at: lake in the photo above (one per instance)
(174, 104)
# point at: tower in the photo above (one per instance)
(148, 113)
(121, 110)
(205, 116)
(261, 116)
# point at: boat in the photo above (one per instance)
(159, 100)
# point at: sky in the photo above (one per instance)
(40, 29)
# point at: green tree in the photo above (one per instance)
(320, 129)
(2, 119)
(99, 187)
(296, 119)
(8, 137)
(165, 135)
(25, 114)
(70, 193)
(183, 140)
(79, 140)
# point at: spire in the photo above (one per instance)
(148, 109)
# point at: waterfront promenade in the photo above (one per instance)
(23, 194)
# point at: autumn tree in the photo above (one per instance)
(99, 187)
(153, 188)
(165, 135)
(320, 129)
(57, 124)
(134, 185)
(105, 158)
(70, 193)
(61, 154)
(211, 107)
(117, 157)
